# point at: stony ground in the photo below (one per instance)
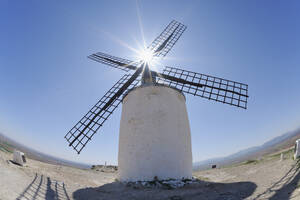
(268, 178)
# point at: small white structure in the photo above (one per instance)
(155, 139)
(19, 158)
(281, 157)
(296, 149)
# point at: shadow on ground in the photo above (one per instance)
(284, 187)
(13, 162)
(203, 190)
(44, 188)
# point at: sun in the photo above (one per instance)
(146, 55)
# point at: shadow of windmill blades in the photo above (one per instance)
(284, 187)
(43, 187)
(202, 190)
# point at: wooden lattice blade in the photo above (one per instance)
(206, 86)
(85, 129)
(114, 61)
(167, 39)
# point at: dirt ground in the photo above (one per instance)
(266, 179)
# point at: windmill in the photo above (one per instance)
(154, 111)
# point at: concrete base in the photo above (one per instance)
(155, 139)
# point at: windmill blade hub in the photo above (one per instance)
(146, 55)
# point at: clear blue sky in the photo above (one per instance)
(47, 83)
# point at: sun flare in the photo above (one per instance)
(146, 55)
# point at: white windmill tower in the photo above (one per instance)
(155, 139)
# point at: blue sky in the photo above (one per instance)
(47, 83)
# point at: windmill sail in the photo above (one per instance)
(206, 86)
(167, 39)
(209, 87)
(159, 47)
(85, 129)
(114, 61)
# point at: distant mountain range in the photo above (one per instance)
(276, 144)
(10, 145)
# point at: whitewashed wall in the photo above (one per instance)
(17, 157)
(155, 135)
(297, 149)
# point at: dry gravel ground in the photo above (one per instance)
(266, 179)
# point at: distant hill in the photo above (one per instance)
(8, 145)
(276, 144)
